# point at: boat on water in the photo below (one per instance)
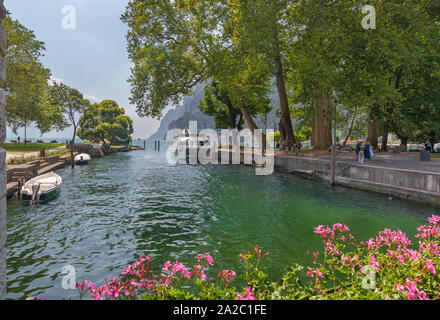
(82, 158)
(41, 188)
(188, 146)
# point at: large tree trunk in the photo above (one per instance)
(283, 134)
(288, 138)
(321, 126)
(247, 117)
(373, 135)
(403, 144)
(433, 138)
(351, 126)
(384, 145)
(253, 126)
(232, 118)
(239, 126)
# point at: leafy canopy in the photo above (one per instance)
(105, 123)
(28, 98)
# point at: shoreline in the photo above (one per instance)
(19, 174)
(404, 183)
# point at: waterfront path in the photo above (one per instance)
(404, 161)
(11, 155)
(400, 175)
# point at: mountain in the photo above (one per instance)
(179, 117)
(182, 114)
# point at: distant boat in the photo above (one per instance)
(41, 188)
(82, 158)
(188, 146)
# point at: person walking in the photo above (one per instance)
(428, 146)
(367, 151)
(358, 149)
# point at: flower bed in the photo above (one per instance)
(388, 266)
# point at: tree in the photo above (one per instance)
(383, 73)
(28, 98)
(259, 26)
(172, 44)
(105, 123)
(73, 104)
(217, 103)
(176, 44)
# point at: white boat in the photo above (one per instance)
(82, 158)
(188, 146)
(41, 188)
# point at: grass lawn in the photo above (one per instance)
(435, 155)
(30, 147)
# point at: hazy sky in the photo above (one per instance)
(91, 58)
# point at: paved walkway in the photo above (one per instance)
(10, 155)
(406, 161)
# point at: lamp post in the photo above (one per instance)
(333, 153)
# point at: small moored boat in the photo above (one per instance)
(41, 188)
(82, 158)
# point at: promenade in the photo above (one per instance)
(400, 175)
(405, 161)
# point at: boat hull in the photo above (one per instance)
(43, 197)
(49, 186)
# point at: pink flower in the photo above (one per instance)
(412, 254)
(411, 291)
(167, 266)
(429, 266)
(314, 273)
(373, 263)
(434, 220)
(205, 259)
(248, 295)
(227, 276)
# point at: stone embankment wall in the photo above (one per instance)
(96, 150)
(406, 184)
(3, 211)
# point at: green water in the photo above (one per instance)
(122, 206)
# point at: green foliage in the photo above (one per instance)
(27, 81)
(275, 136)
(390, 73)
(386, 72)
(105, 123)
(216, 103)
(70, 103)
(176, 44)
(172, 45)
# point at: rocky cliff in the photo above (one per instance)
(179, 117)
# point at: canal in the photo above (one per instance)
(126, 205)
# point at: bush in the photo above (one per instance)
(384, 267)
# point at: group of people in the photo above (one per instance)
(296, 147)
(364, 153)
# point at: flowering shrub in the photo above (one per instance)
(384, 267)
